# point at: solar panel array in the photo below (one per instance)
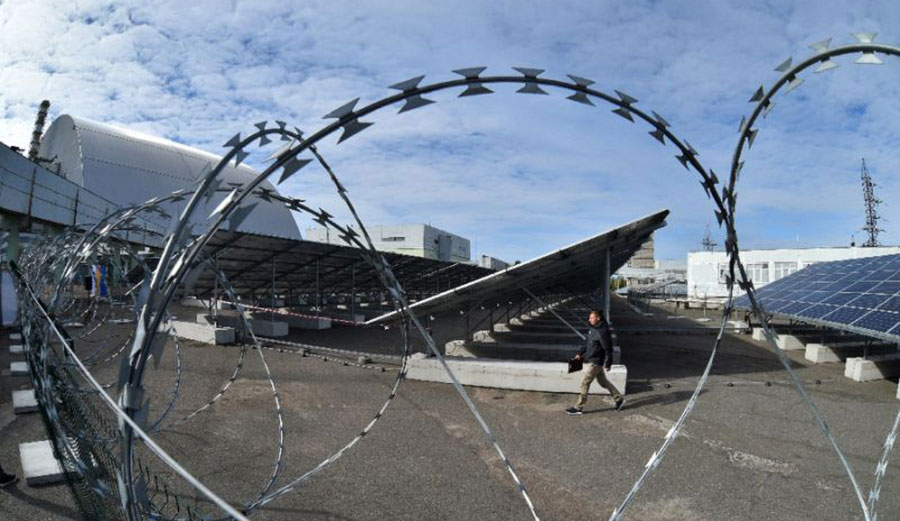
(860, 295)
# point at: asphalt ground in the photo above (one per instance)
(750, 449)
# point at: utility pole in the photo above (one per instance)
(872, 203)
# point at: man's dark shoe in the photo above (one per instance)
(620, 403)
(7, 479)
(573, 411)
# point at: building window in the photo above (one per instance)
(723, 273)
(783, 269)
(758, 272)
(395, 238)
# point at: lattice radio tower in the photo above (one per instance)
(708, 243)
(872, 203)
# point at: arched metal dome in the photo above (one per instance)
(128, 167)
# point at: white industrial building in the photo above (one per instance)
(419, 240)
(492, 263)
(706, 270)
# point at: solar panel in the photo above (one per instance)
(817, 311)
(861, 295)
(887, 287)
(891, 304)
(863, 286)
(840, 285)
(868, 300)
(845, 315)
(879, 321)
(818, 296)
(883, 274)
(794, 307)
(781, 305)
(841, 298)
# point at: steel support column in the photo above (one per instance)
(606, 285)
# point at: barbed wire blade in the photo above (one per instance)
(224, 203)
(869, 58)
(353, 127)
(291, 167)
(408, 85)
(414, 102)
(785, 65)
(343, 111)
(475, 89)
(233, 142)
(826, 65)
(821, 46)
(758, 95)
(625, 113)
(865, 37)
(794, 83)
(532, 88)
(581, 97)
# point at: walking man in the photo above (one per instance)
(597, 354)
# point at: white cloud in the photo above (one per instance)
(522, 174)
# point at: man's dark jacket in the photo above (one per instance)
(598, 348)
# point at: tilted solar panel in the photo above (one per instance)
(879, 321)
(859, 295)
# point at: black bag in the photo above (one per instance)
(575, 365)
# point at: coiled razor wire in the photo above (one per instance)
(822, 59)
(183, 254)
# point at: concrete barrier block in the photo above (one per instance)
(820, 354)
(269, 328)
(739, 326)
(789, 343)
(19, 369)
(316, 323)
(260, 326)
(15, 336)
(536, 336)
(872, 368)
(458, 348)
(17, 349)
(24, 401)
(514, 351)
(206, 333)
(507, 374)
(849, 365)
(502, 327)
(483, 336)
(39, 465)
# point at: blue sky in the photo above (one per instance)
(517, 174)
